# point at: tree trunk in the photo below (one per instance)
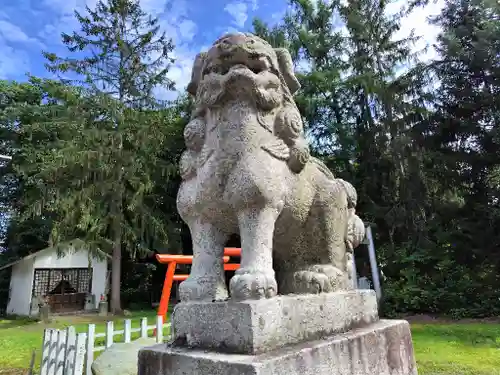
(116, 261)
(116, 272)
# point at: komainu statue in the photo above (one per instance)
(247, 170)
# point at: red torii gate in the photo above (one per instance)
(170, 276)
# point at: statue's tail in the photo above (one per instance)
(356, 231)
(355, 226)
(323, 168)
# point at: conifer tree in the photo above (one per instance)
(126, 53)
(309, 30)
(465, 131)
(101, 179)
(360, 110)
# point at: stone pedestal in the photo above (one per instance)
(326, 334)
(44, 313)
(89, 302)
(103, 308)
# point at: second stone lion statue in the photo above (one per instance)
(247, 170)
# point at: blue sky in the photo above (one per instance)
(29, 26)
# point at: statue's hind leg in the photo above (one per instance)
(206, 281)
(255, 279)
(320, 264)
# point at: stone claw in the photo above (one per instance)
(318, 279)
(252, 285)
(202, 289)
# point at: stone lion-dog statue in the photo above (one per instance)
(247, 170)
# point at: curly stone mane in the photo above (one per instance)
(287, 124)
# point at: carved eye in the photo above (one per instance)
(256, 69)
(225, 45)
(207, 69)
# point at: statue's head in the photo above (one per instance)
(245, 67)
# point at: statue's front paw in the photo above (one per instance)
(202, 289)
(253, 285)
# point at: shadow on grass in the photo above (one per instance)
(13, 371)
(474, 335)
(13, 321)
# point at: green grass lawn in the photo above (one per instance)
(457, 349)
(19, 337)
(441, 349)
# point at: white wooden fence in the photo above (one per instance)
(63, 352)
(66, 353)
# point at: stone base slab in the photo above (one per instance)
(382, 348)
(252, 327)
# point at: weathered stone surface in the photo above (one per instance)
(103, 308)
(247, 170)
(44, 313)
(383, 348)
(120, 358)
(257, 326)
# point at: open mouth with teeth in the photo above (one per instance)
(222, 67)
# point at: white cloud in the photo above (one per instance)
(237, 10)
(278, 16)
(12, 61)
(187, 29)
(48, 32)
(229, 30)
(178, 26)
(153, 7)
(14, 34)
(68, 6)
(417, 21)
(174, 20)
(254, 4)
(180, 73)
(65, 21)
(182, 29)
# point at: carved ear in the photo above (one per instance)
(286, 68)
(192, 87)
